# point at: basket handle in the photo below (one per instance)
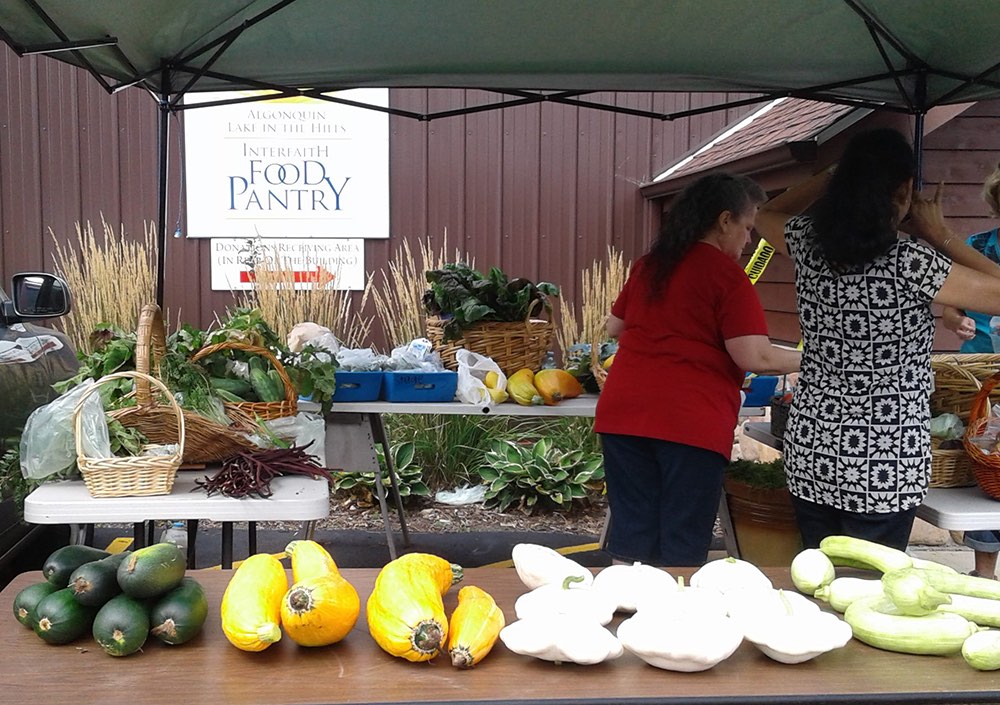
(150, 347)
(981, 402)
(138, 376)
(535, 307)
(290, 394)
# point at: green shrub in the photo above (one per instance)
(408, 475)
(538, 476)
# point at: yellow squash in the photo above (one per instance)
(521, 387)
(474, 628)
(320, 610)
(309, 560)
(251, 605)
(405, 612)
(554, 385)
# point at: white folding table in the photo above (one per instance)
(353, 429)
(294, 498)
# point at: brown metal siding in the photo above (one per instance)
(539, 190)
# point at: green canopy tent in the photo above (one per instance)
(907, 56)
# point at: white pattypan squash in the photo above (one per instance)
(684, 601)
(680, 643)
(725, 574)
(540, 565)
(560, 638)
(794, 638)
(571, 598)
(767, 603)
(628, 585)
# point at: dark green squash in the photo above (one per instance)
(177, 617)
(121, 626)
(152, 571)
(63, 561)
(27, 600)
(61, 619)
(96, 582)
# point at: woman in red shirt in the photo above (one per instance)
(689, 325)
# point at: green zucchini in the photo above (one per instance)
(121, 627)
(63, 561)
(229, 396)
(239, 387)
(27, 600)
(264, 386)
(843, 591)
(879, 557)
(911, 593)
(96, 582)
(876, 622)
(958, 584)
(982, 650)
(177, 617)
(61, 619)
(152, 571)
(982, 610)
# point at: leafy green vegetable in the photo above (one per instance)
(769, 475)
(469, 297)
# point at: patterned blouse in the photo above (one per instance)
(858, 434)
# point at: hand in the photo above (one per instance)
(966, 328)
(926, 219)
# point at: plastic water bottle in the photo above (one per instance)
(176, 534)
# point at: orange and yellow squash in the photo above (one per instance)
(251, 605)
(521, 386)
(309, 560)
(554, 385)
(320, 610)
(474, 628)
(405, 611)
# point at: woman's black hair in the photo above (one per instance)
(694, 214)
(855, 220)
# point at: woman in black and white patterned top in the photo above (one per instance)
(857, 443)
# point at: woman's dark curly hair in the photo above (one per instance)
(694, 214)
(855, 221)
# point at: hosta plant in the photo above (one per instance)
(409, 476)
(538, 475)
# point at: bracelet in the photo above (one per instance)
(947, 240)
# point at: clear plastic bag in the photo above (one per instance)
(301, 430)
(48, 444)
(472, 371)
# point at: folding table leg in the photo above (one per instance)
(192, 527)
(227, 545)
(251, 538)
(380, 435)
(138, 534)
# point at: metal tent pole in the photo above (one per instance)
(163, 133)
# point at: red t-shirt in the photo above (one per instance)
(672, 378)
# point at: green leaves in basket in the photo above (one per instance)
(464, 297)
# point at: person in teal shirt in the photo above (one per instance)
(973, 328)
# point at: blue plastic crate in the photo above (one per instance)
(419, 386)
(760, 391)
(357, 386)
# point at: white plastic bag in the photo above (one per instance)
(472, 370)
(48, 444)
(301, 430)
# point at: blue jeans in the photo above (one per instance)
(983, 541)
(664, 498)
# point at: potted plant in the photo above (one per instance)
(761, 517)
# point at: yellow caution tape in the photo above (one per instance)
(566, 551)
(119, 544)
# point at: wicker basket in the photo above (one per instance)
(133, 476)
(513, 346)
(266, 410)
(950, 467)
(207, 441)
(957, 379)
(985, 467)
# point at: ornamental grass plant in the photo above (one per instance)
(111, 280)
(600, 285)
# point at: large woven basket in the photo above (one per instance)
(207, 441)
(133, 476)
(957, 380)
(986, 466)
(265, 410)
(513, 346)
(951, 467)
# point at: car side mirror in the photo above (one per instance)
(39, 295)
